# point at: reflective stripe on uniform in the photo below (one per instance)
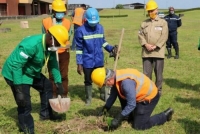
(139, 87)
(79, 52)
(105, 44)
(93, 36)
(141, 80)
(172, 18)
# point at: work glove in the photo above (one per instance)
(103, 111)
(79, 69)
(60, 88)
(20, 97)
(113, 53)
(116, 122)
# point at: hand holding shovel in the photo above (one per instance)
(60, 104)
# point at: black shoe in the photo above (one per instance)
(169, 53)
(176, 57)
(168, 113)
(52, 118)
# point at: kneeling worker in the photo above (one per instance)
(138, 96)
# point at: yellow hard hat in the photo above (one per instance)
(60, 33)
(98, 76)
(151, 5)
(59, 6)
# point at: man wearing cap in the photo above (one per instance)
(152, 37)
(137, 94)
(174, 22)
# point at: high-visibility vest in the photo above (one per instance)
(48, 22)
(78, 16)
(146, 90)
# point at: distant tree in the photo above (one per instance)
(119, 6)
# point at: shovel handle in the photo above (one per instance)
(59, 99)
(119, 47)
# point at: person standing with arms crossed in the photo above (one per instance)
(152, 36)
(173, 23)
(59, 11)
(77, 20)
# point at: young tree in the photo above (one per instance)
(119, 6)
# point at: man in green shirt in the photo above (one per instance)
(22, 70)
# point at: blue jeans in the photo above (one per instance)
(73, 47)
(44, 87)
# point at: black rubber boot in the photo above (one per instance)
(169, 53)
(177, 53)
(88, 94)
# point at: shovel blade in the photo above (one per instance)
(59, 104)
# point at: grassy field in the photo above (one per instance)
(180, 87)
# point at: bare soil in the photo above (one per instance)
(78, 125)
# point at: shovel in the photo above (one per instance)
(59, 104)
(107, 90)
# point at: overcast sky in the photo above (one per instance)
(163, 4)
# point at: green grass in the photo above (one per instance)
(180, 87)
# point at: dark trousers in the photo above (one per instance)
(44, 87)
(73, 47)
(64, 59)
(87, 75)
(141, 116)
(158, 65)
(172, 40)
